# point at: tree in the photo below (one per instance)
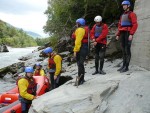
(14, 37)
(62, 14)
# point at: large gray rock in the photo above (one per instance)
(113, 93)
(14, 68)
(132, 95)
(3, 48)
(113, 47)
(128, 94)
(141, 42)
(69, 99)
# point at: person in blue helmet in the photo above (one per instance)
(54, 66)
(27, 89)
(80, 48)
(38, 70)
(126, 28)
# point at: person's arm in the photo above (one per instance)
(34, 73)
(23, 85)
(42, 73)
(79, 33)
(103, 34)
(58, 62)
(119, 26)
(92, 33)
(134, 23)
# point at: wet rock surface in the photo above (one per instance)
(3, 48)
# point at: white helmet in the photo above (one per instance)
(98, 19)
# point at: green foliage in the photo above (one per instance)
(52, 40)
(62, 14)
(15, 37)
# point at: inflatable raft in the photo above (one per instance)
(9, 102)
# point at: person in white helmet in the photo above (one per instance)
(98, 35)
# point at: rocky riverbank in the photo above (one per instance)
(111, 93)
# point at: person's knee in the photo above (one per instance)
(102, 55)
(81, 63)
(23, 106)
(96, 57)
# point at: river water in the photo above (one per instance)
(8, 58)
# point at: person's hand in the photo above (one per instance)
(35, 97)
(117, 37)
(47, 74)
(75, 54)
(93, 40)
(95, 43)
(130, 37)
(55, 77)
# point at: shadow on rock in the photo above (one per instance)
(64, 79)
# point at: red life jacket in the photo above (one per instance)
(51, 63)
(37, 73)
(85, 38)
(32, 85)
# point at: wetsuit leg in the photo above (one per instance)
(81, 56)
(52, 80)
(102, 55)
(25, 107)
(97, 51)
(123, 46)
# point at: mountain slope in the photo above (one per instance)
(33, 34)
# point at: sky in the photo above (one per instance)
(26, 14)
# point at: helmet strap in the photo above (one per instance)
(27, 76)
(78, 25)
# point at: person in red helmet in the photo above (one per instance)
(126, 28)
(98, 35)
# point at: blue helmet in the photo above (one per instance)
(81, 21)
(38, 64)
(29, 69)
(126, 3)
(48, 50)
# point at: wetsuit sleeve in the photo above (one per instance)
(119, 26)
(23, 85)
(92, 32)
(58, 62)
(79, 33)
(134, 23)
(42, 73)
(103, 34)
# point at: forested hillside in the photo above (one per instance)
(62, 14)
(14, 37)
